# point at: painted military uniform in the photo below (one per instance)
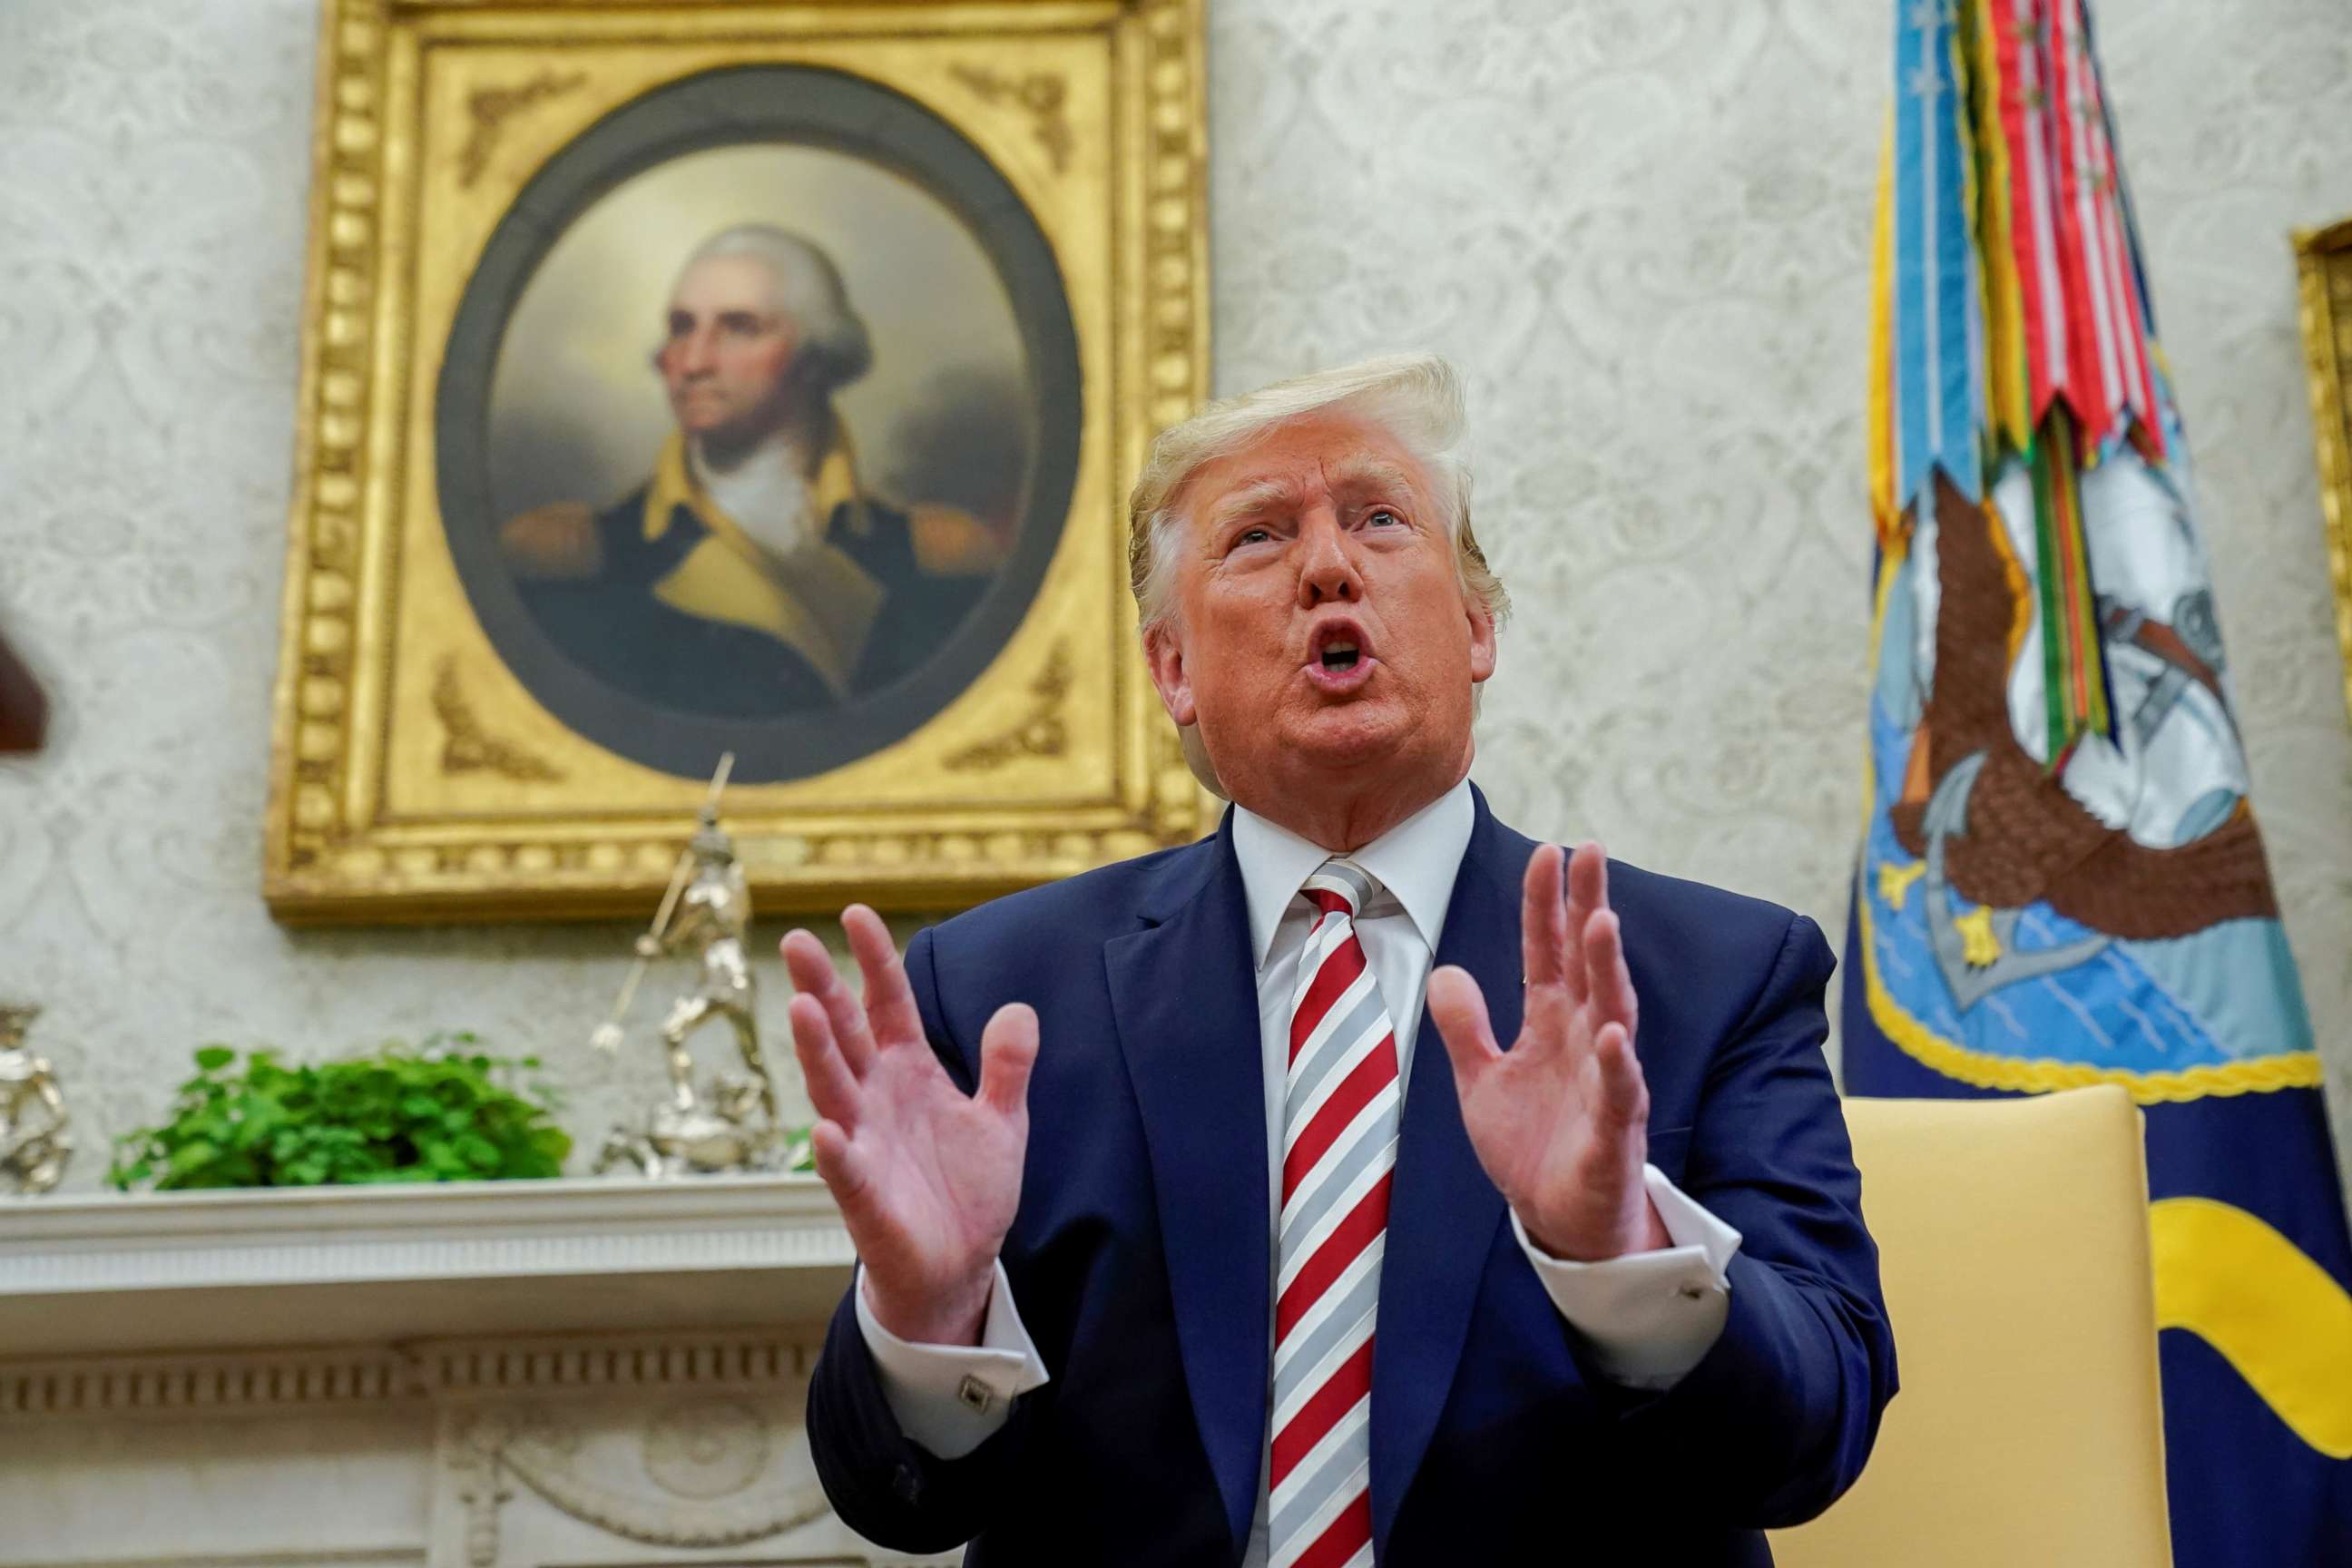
(682, 609)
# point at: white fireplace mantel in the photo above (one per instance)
(606, 1373)
(251, 1269)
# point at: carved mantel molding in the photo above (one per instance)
(608, 1373)
(129, 1276)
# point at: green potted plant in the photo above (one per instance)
(447, 1112)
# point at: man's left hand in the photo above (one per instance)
(1561, 1120)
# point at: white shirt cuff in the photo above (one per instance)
(951, 1398)
(1649, 1317)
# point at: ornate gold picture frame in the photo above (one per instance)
(692, 377)
(2323, 259)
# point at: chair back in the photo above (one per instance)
(2013, 1243)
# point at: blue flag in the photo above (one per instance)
(2060, 880)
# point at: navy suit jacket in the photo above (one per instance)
(613, 626)
(1139, 1257)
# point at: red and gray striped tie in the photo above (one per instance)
(1339, 1148)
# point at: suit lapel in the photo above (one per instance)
(1186, 1003)
(1443, 1211)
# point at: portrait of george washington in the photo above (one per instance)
(758, 424)
(752, 572)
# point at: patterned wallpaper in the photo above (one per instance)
(1638, 225)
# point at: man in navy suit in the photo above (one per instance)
(1227, 1271)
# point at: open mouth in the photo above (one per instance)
(1339, 655)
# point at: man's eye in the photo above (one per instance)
(1252, 536)
(1382, 517)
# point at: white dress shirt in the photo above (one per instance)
(1647, 1319)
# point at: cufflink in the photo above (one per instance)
(976, 1395)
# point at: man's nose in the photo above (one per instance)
(1326, 568)
(697, 351)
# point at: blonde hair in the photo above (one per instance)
(1416, 398)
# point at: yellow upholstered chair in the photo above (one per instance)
(2014, 1237)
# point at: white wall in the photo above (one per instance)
(1638, 225)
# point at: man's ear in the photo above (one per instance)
(1163, 654)
(1481, 639)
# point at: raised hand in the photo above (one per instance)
(927, 1176)
(1560, 1120)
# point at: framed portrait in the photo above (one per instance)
(2323, 259)
(693, 379)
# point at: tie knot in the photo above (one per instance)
(1340, 887)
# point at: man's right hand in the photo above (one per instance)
(926, 1177)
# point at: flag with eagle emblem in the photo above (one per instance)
(2061, 880)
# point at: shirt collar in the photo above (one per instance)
(1416, 861)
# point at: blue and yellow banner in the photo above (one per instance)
(2060, 880)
